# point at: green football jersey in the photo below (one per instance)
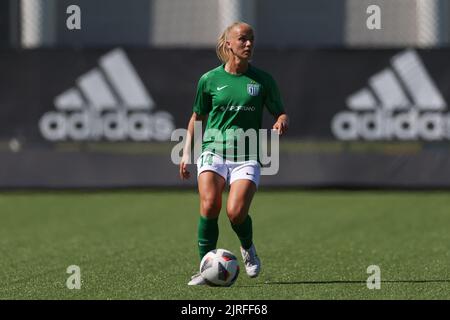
(235, 104)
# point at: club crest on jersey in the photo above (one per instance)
(253, 89)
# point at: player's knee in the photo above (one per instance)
(210, 207)
(237, 219)
(236, 214)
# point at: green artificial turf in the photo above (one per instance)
(142, 245)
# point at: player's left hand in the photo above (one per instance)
(281, 125)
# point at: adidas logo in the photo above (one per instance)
(401, 102)
(109, 103)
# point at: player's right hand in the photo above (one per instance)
(184, 173)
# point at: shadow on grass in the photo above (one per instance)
(354, 282)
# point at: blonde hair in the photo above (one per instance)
(223, 53)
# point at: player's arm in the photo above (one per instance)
(184, 173)
(202, 107)
(275, 105)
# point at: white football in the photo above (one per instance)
(219, 267)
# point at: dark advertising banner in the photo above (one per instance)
(104, 118)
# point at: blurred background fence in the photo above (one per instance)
(197, 23)
(96, 106)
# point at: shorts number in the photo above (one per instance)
(207, 158)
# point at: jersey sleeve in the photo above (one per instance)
(203, 101)
(273, 100)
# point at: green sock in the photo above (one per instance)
(244, 232)
(208, 233)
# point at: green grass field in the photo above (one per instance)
(142, 245)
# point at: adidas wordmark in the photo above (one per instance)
(402, 102)
(109, 103)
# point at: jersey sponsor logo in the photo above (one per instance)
(108, 103)
(401, 102)
(253, 89)
(237, 108)
(220, 88)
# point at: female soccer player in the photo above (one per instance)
(230, 97)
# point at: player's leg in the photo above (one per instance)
(210, 187)
(212, 174)
(244, 181)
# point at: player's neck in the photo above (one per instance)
(236, 66)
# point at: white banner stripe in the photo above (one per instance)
(125, 80)
(69, 100)
(362, 100)
(388, 90)
(96, 90)
(417, 81)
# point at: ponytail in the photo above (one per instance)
(221, 47)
